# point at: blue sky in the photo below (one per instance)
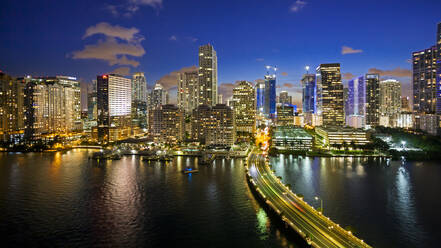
(42, 37)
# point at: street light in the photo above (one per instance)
(321, 203)
(403, 143)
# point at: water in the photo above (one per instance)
(64, 199)
(388, 204)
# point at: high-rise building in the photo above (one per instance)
(390, 101)
(220, 99)
(260, 96)
(52, 106)
(92, 111)
(207, 76)
(405, 104)
(330, 103)
(426, 79)
(244, 109)
(285, 115)
(139, 101)
(356, 102)
(214, 126)
(270, 96)
(114, 107)
(309, 93)
(372, 118)
(11, 109)
(285, 98)
(158, 96)
(167, 124)
(187, 91)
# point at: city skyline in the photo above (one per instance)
(162, 53)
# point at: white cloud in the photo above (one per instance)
(260, 59)
(298, 5)
(173, 37)
(124, 71)
(349, 50)
(128, 34)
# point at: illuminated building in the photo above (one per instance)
(330, 103)
(426, 78)
(187, 91)
(167, 124)
(390, 101)
(114, 97)
(430, 123)
(139, 101)
(244, 109)
(270, 96)
(372, 114)
(285, 98)
(207, 94)
(342, 135)
(214, 126)
(405, 106)
(285, 115)
(356, 103)
(52, 106)
(292, 138)
(158, 97)
(11, 109)
(260, 96)
(220, 99)
(309, 94)
(92, 110)
(405, 120)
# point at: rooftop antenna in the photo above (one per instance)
(307, 69)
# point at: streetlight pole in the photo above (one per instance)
(321, 202)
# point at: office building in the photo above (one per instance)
(285, 98)
(167, 124)
(139, 102)
(309, 93)
(292, 138)
(390, 101)
(11, 109)
(187, 91)
(207, 94)
(158, 97)
(270, 96)
(92, 110)
(260, 97)
(330, 102)
(114, 107)
(285, 115)
(356, 103)
(341, 136)
(244, 109)
(372, 112)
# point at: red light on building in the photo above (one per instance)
(104, 76)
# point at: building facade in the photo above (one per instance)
(260, 97)
(309, 93)
(188, 83)
(356, 102)
(11, 109)
(330, 102)
(244, 109)
(372, 100)
(158, 97)
(285, 115)
(167, 124)
(285, 98)
(207, 94)
(390, 101)
(270, 96)
(139, 101)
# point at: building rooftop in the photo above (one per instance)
(291, 132)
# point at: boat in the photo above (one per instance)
(190, 170)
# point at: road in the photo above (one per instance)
(314, 227)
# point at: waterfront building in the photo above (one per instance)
(260, 97)
(405, 120)
(299, 119)
(139, 102)
(356, 103)
(285, 115)
(207, 94)
(405, 106)
(292, 138)
(188, 91)
(426, 79)
(342, 136)
(330, 103)
(270, 96)
(114, 107)
(92, 110)
(309, 94)
(167, 124)
(285, 98)
(372, 111)
(11, 109)
(430, 123)
(158, 96)
(244, 109)
(52, 106)
(390, 101)
(214, 126)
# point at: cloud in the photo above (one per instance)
(349, 50)
(119, 43)
(192, 39)
(173, 37)
(127, 34)
(284, 74)
(124, 71)
(259, 59)
(226, 90)
(297, 6)
(288, 85)
(170, 80)
(259, 80)
(397, 72)
(348, 76)
(130, 7)
(156, 4)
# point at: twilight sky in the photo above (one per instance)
(159, 37)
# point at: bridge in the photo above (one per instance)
(315, 228)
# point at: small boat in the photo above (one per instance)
(189, 170)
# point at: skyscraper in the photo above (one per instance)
(187, 91)
(260, 96)
(285, 98)
(270, 96)
(207, 76)
(167, 123)
(11, 109)
(356, 102)
(372, 100)
(92, 101)
(330, 103)
(139, 101)
(158, 96)
(244, 109)
(309, 93)
(390, 101)
(114, 97)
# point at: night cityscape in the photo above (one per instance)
(166, 123)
